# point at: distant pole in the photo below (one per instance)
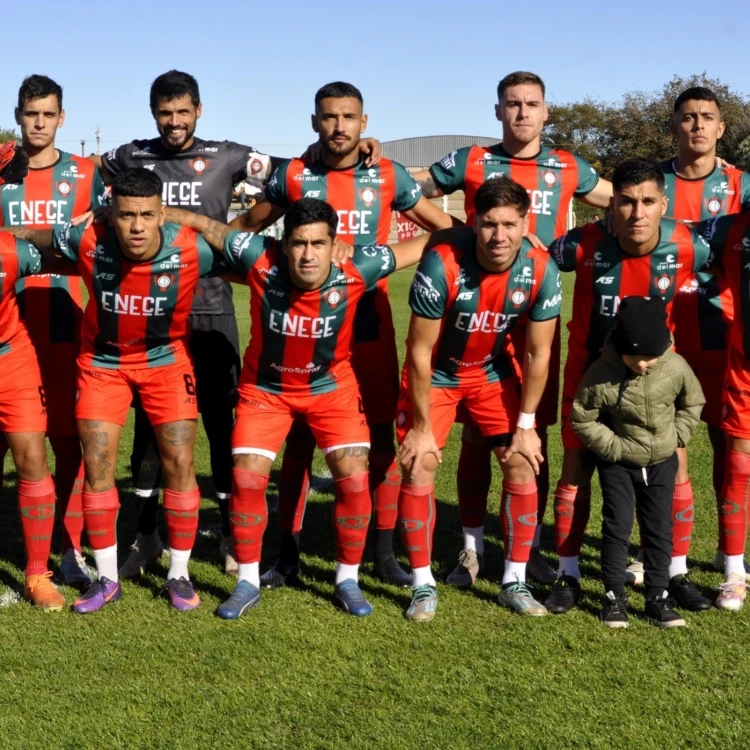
(83, 148)
(98, 134)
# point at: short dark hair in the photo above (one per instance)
(171, 85)
(501, 191)
(310, 211)
(636, 172)
(696, 93)
(137, 182)
(38, 87)
(518, 78)
(338, 90)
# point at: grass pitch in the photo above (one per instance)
(296, 672)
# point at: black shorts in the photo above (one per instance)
(215, 349)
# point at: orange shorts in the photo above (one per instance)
(376, 369)
(167, 393)
(709, 367)
(57, 364)
(23, 405)
(263, 419)
(736, 397)
(493, 407)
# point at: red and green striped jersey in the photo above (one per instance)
(729, 237)
(605, 275)
(479, 309)
(137, 313)
(17, 260)
(703, 305)
(552, 178)
(300, 341)
(52, 305)
(364, 199)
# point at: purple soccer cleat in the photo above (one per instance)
(182, 594)
(97, 594)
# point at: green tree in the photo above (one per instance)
(8, 135)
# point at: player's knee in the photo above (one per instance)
(30, 458)
(178, 464)
(518, 469)
(348, 460)
(252, 462)
(578, 467)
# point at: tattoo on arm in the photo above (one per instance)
(95, 442)
(216, 233)
(40, 238)
(429, 188)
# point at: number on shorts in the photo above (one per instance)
(189, 384)
(360, 405)
(42, 396)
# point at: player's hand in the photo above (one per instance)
(417, 444)
(86, 218)
(371, 149)
(14, 164)
(527, 444)
(312, 153)
(341, 253)
(535, 241)
(723, 163)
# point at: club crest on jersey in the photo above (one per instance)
(662, 283)
(518, 297)
(256, 166)
(333, 298)
(63, 187)
(199, 165)
(550, 178)
(368, 196)
(163, 281)
(714, 206)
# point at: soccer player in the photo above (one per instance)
(364, 199)
(649, 256)
(303, 313)
(552, 177)
(57, 187)
(466, 297)
(141, 275)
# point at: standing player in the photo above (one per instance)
(141, 276)
(649, 256)
(57, 187)
(303, 313)
(364, 199)
(466, 297)
(552, 178)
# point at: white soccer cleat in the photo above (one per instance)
(732, 593)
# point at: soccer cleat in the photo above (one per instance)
(389, 571)
(97, 594)
(74, 570)
(634, 572)
(538, 568)
(41, 592)
(226, 551)
(517, 597)
(350, 598)
(245, 596)
(719, 564)
(469, 567)
(660, 611)
(686, 594)
(732, 593)
(182, 594)
(564, 595)
(280, 574)
(423, 603)
(145, 549)
(614, 612)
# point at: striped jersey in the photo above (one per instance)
(605, 275)
(552, 178)
(479, 308)
(18, 259)
(300, 340)
(137, 313)
(364, 199)
(703, 309)
(52, 305)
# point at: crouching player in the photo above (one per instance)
(466, 298)
(298, 365)
(141, 275)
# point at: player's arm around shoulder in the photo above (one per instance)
(260, 216)
(410, 252)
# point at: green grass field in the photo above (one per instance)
(296, 672)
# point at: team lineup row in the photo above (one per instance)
(321, 365)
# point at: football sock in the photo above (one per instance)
(518, 509)
(68, 487)
(346, 572)
(733, 508)
(352, 508)
(683, 512)
(734, 564)
(474, 539)
(248, 514)
(106, 563)
(572, 511)
(249, 572)
(181, 514)
(385, 484)
(678, 566)
(148, 510)
(514, 572)
(422, 576)
(36, 505)
(569, 567)
(474, 479)
(416, 510)
(178, 564)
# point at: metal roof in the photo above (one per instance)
(426, 150)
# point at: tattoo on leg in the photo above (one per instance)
(95, 444)
(178, 433)
(351, 451)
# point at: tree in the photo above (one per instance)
(7, 135)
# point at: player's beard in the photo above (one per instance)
(340, 150)
(189, 131)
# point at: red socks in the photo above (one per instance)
(181, 516)
(683, 513)
(518, 509)
(572, 511)
(385, 483)
(248, 514)
(36, 505)
(351, 515)
(474, 479)
(100, 517)
(68, 486)
(416, 509)
(294, 477)
(733, 507)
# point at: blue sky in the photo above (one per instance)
(425, 68)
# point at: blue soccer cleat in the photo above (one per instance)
(350, 598)
(245, 596)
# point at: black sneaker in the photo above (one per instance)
(565, 593)
(389, 571)
(660, 612)
(614, 612)
(281, 574)
(686, 594)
